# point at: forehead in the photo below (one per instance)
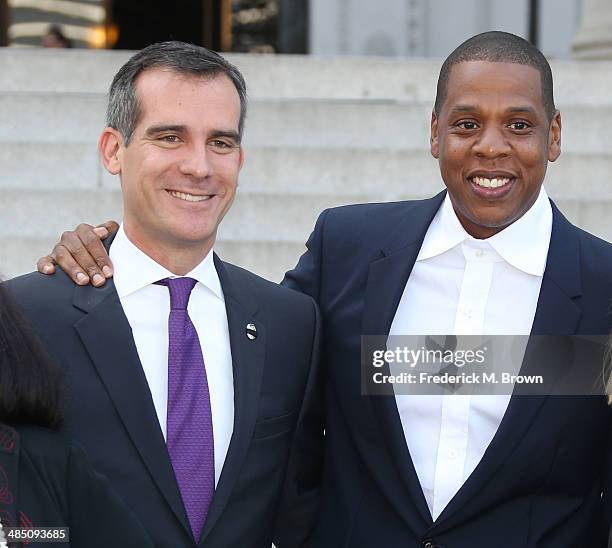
(168, 96)
(483, 82)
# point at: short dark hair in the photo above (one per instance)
(498, 47)
(123, 112)
(31, 389)
(56, 31)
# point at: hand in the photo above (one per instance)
(81, 254)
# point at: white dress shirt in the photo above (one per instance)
(463, 286)
(147, 307)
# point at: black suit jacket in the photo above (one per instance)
(46, 481)
(540, 480)
(111, 413)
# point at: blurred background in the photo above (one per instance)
(340, 91)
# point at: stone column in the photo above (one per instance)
(594, 37)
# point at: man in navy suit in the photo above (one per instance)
(189, 379)
(491, 255)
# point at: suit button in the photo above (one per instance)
(428, 544)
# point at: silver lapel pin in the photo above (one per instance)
(251, 331)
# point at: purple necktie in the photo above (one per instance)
(190, 429)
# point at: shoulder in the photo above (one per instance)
(356, 229)
(265, 290)
(595, 249)
(595, 253)
(34, 285)
(46, 455)
(370, 216)
(596, 265)
(44, 446)
(55, 457)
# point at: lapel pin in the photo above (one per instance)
(251, 331)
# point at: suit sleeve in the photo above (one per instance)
(98, 517)
(299, 506)
(306, 276)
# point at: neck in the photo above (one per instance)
(178, 259)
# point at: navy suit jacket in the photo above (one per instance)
(111, 413)
(540, 480)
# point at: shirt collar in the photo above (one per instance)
(134, 269)
(524, 244)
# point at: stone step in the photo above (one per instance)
(254, 216)
(48, 213)
(271, 260)
(268, 257)
(288, 76)
(379, 174)
(320, 132)
(79, 118)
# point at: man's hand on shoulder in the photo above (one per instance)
(81, 254)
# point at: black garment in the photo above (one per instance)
(110, 411)
(46, 481)
(540, 481)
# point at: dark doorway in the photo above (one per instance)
(4, 23)
(142, 23)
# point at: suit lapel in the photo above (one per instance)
(557, 314)
(387, 279)
(248, 362)
(107, 336)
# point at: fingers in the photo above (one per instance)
(46, 265)
(89, 252)
(111, 227)
(64, 258)
(82, 256)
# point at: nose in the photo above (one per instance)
(196, 162)
(492, 143)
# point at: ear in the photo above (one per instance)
(433, 139)
(241, 159)
(110, 145)
(554, 138)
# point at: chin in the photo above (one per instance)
(191, 238)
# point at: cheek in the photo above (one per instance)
(532, 152)
(453, 149)
(534, 159)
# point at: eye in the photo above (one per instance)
(169, 139)
(222, 146)
(467, 125)
(519, 125)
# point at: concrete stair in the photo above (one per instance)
(320, 132)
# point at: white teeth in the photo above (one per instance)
(188, 197)
(490, 183)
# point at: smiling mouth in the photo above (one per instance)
(189, 197)
(491, 183)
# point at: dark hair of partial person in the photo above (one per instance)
(56, 31)
(30, 383)
(123, 112)
(498, 47)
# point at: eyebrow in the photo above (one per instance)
(511, 110)
(177, 128)
(464, 108)
(230, 134)
(153, 130)
(530, 110)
